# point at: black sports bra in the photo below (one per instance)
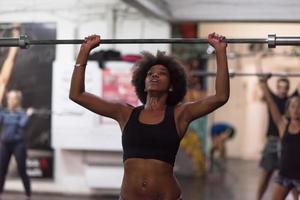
(151, 141)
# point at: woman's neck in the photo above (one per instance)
(13, 109)
(155, 102)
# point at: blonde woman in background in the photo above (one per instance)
(13, 121)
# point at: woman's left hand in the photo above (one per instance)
(217, 41)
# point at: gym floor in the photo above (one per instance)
(237, 181)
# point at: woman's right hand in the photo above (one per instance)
(90, 42)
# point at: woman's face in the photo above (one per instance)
(294, 108)
(13, 100)
(157, 79)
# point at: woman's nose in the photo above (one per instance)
(155, 74)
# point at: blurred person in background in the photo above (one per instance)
(220, 133)
(288, 124)
(269, 162)
(13, 121)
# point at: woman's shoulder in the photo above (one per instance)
(129, 108)
(179, 108)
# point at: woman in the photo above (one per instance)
(13, 121)
(151, 133)
(289, 132)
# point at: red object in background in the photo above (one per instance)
(117, 85)
(131, 58)
(188, 30)
(44, 164)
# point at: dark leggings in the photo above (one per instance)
(18, 149)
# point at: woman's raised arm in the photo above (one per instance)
(196, 109)
(114, 110)
(275, 114)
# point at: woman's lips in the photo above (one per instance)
(154, 81)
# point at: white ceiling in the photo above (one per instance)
(170, 10)
(221, 10)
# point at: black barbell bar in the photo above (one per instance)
(24, 41)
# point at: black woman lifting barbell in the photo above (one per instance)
(151, 133)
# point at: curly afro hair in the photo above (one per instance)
(176, 69)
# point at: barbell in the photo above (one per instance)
(272, 40)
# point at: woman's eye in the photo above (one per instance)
(159, 73)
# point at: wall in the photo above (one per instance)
(245, 109)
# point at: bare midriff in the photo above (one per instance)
(149, 179)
